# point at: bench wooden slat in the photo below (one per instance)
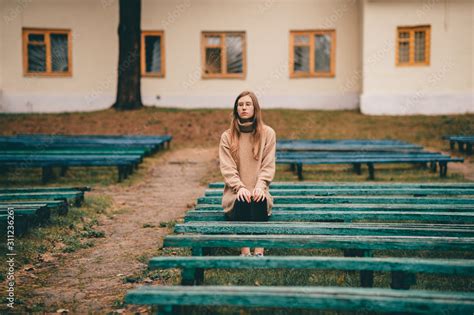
(333, 228)
(278, 215)
(356, 207)
(356, 192)
(371, 299)
(358, 200)
(351, 185)
(386, 264)
(363, 242)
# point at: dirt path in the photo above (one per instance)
(90, 280)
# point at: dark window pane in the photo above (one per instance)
(322, 53)
(234, 54)
(404, 35)
(36, 58)
(213, 60)
(36, 37)
(403, 52)
(153, 53)
(301, 58)
(59, 53)
(420, 46)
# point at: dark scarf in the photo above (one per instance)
(246, 124)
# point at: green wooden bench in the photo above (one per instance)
(356, 207)
(344, 215)
(347, 185)
(23, 218)
(64, 151)
(73, 197)
(403, 270)
(60, 206)
(323, 228)
(323, 298)
(464, 143)
(360, 192)
(278, 200)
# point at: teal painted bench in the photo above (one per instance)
(278, 200)
(73, 197)
(345, 215)
(322, 298)
(298, 162)
(23, 217)
(403, 270)
(62, 151)
(464, 143)
(352, 185)
(60, 206)
(323, 228)
(345, 145)
(397, 191)
(34, 205)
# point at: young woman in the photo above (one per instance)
(247, 163)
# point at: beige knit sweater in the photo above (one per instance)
(249, 173)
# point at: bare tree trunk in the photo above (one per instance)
(128, 86)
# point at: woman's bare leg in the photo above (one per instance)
(245, 250)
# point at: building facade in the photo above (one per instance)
(382, 56)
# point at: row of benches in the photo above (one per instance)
(49, 151)
(464, 143)
(33, 206)
(296, 153)
(358, 237)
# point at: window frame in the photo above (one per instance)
(411, 45)
(47, 41)
(312, 73)
(223, 47)
(162, 73)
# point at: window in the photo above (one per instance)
(152, 54)
(223, 55)
(47, 52)
(413, 46)
(312, 53)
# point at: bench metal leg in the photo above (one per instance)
(167, 310)
(299, 167)
(433, 166)
(443, 169)
(64, 170)
(48, 174)
(402, 280)
(469, 148)
(461, 146)
(357, 168)
(193, 276)
(366, 276)
(371, 170)
(120, 173)
(452, 144)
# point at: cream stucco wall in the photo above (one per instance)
(266, 22)
(443, 87)
(267, 25)
(92, 86)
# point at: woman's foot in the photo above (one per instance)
(245, 251)
(258, 252)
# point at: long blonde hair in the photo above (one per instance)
(256, 133)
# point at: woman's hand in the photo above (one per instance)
(258, 194)
(243, 195)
